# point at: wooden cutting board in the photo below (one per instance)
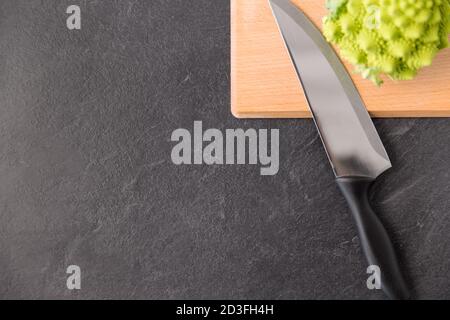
(264, 83)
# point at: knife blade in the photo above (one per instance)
(349, 136)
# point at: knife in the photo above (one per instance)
(351, 141)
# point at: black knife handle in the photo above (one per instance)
(375, 241)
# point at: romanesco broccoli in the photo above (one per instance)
(394, 37)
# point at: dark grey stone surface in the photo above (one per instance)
(86, 175)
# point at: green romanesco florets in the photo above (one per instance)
(394, 37)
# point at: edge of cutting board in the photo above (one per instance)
(255, 96)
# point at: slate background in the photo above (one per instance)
(86, 175)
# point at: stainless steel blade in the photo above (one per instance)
(346, 129)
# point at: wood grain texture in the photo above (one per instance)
(264, 83)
